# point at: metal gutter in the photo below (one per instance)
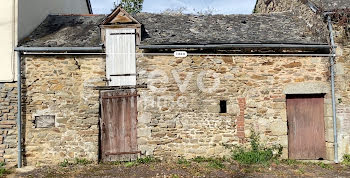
(336, 160)
(19, 111)
(318, 46)
(192, 54)
(59, 49)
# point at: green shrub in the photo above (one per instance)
(346, 160)
(257, 154)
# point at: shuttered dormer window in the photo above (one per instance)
(121, 57)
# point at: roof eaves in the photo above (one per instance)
(253, 45)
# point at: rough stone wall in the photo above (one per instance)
(8, 129)
(342, 61)
(185, 121)
(342, 72)
(60, 89)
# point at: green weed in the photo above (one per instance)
(183, 161)
(82, 161)
(324, 166)
(257, 154)
(3, 170)
(65, 163)
(130, 164)
(147, 160)
(346, 160)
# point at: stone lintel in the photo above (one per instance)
(307, 88)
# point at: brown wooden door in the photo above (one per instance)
(118, 125)
(306, 130)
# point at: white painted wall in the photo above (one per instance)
(8, 39)
(33, 12)
(26, 15)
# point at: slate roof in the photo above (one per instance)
(83, 31)
(66, 31)
(331, 5)
(227, 29)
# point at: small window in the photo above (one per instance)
(223, 106)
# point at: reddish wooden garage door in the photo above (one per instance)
(118, 125)
(306, 130)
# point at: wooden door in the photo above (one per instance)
(118, 125)
(306, 128)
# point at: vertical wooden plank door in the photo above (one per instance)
(118, 125)
(306, 128)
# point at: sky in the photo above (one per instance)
(192, 6)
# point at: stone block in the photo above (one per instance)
(278, 128)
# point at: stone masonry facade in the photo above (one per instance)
(342, 66)
(179, 118)
(61, 108)
(8, 129)
(178, 112)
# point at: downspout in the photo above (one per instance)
(19, 110)
(332, 58)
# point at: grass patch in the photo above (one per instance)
(130, 164)
(145, 160)
(3, 170)
(216, 163)
(183, 161)
(324, 166)
(290, 162)
(65, 163)
(83, 161)
(257, 154)
(77, 161)
(346, 160)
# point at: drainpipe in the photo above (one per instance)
(332, 58)
(19, 109)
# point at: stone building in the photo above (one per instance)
(110, 88)
(338, 12)
(18, 18)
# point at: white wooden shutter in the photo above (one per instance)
(121, 57)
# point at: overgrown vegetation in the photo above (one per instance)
(3, 170)
(257, 154)
(346, 160)
(77, 161)
(131, 6)
(183, 161)
(145, 160)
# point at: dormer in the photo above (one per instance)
(120, 34)
(120, 19)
